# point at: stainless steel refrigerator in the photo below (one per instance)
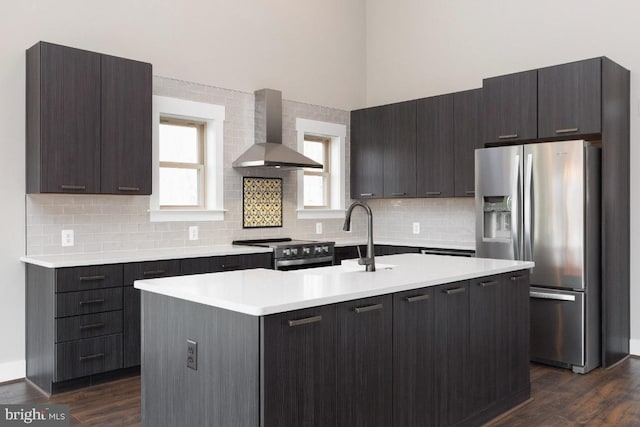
(541, 202)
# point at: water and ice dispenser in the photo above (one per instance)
(497, 218)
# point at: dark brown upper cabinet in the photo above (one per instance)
(467, 116)
(88, 122)
(63, 120)
(400, 150)
(126, 126)
(435, 147)
(369, 127)
(569, 99)
(510, 107)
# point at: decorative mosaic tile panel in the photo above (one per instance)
(261, 202)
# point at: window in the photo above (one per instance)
(182, 166)
(188, 161)
(317, 189)
(321, 192)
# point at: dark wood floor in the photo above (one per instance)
(560, 398)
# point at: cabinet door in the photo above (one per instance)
(69, 123)
(132, 335)
(569, 99)
(365, 362)
(400, 151)
(435, 147)
(299, 368)
(414, 398)
(126, 126)
(510, 107)
(452, 354)
(467, 109)
(368, 129)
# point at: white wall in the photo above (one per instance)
(243, 45)
(423, 48)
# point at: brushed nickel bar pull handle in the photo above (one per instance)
(417, 298)
(567, 130)
(488, 283)
(519, 276)
(453, 291)
(513, 135)
(366, 308)
(92, 278)
(92, 301)
(305, 321)
(558, 297)
(231, 266)
(153, 272)
(434, 193)
(366, 194)
(91, 356)
(129, 188)
(92, 326)
(470, 192)
(73, 187)
(398, 194)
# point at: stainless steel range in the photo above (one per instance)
(289, 254)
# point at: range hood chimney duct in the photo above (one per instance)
(268, 151)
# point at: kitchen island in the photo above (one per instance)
(425, 340)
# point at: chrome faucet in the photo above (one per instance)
(369, 261)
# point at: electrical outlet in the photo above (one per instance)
(67, 238)
(192, 355)
(416, 228)
(318, 228)
(193, 232)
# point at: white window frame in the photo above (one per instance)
(338, 134)
(325, 172)
(213, 116)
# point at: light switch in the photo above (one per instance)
(416, 228)
(193, 232)
(67, 238)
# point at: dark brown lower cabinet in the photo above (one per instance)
(299, 365)
(365, 362)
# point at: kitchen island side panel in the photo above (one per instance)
(224, 390)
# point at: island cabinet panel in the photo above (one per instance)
(435, 147)
(400, 151)
(299, 365)
(452, 357)
(569, 99)
(510, 106)
(365, 367)
(369, 129)
(467, 117)
(414, 396)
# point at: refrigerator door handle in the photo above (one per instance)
(528, 208)
(546, 295)
(515, 208)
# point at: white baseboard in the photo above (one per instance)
(12, 370)
(634, 347)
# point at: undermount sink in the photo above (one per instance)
(352, 265)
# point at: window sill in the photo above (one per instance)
(175, 215)
(321, 213)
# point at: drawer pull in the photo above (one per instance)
(92, 278)
(469, 192)
(519, 276)
(73, 187)
(92, 326)
(417, 298)
(366, 308)
(434, 193)
(453, 291)
(153, 272)
(91, 357)
(489, 283)
(512, 135)
(305, 321)
(398, 194)
(567, 130)
(92, 301)
(129, 188)
(231, 267)
(366, 194)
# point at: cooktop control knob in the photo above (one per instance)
(318, 249)
(294, 251)
(306, 250)
(286, 252)
(325, 249)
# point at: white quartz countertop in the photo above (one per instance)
(261, 292)
(76, 260)
(440, 244)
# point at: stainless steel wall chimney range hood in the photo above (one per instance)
(268, 128)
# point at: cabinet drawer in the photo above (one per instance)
(91, 277)
(86, 302)
(85, 357)
(89, 325)
(150, 269)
